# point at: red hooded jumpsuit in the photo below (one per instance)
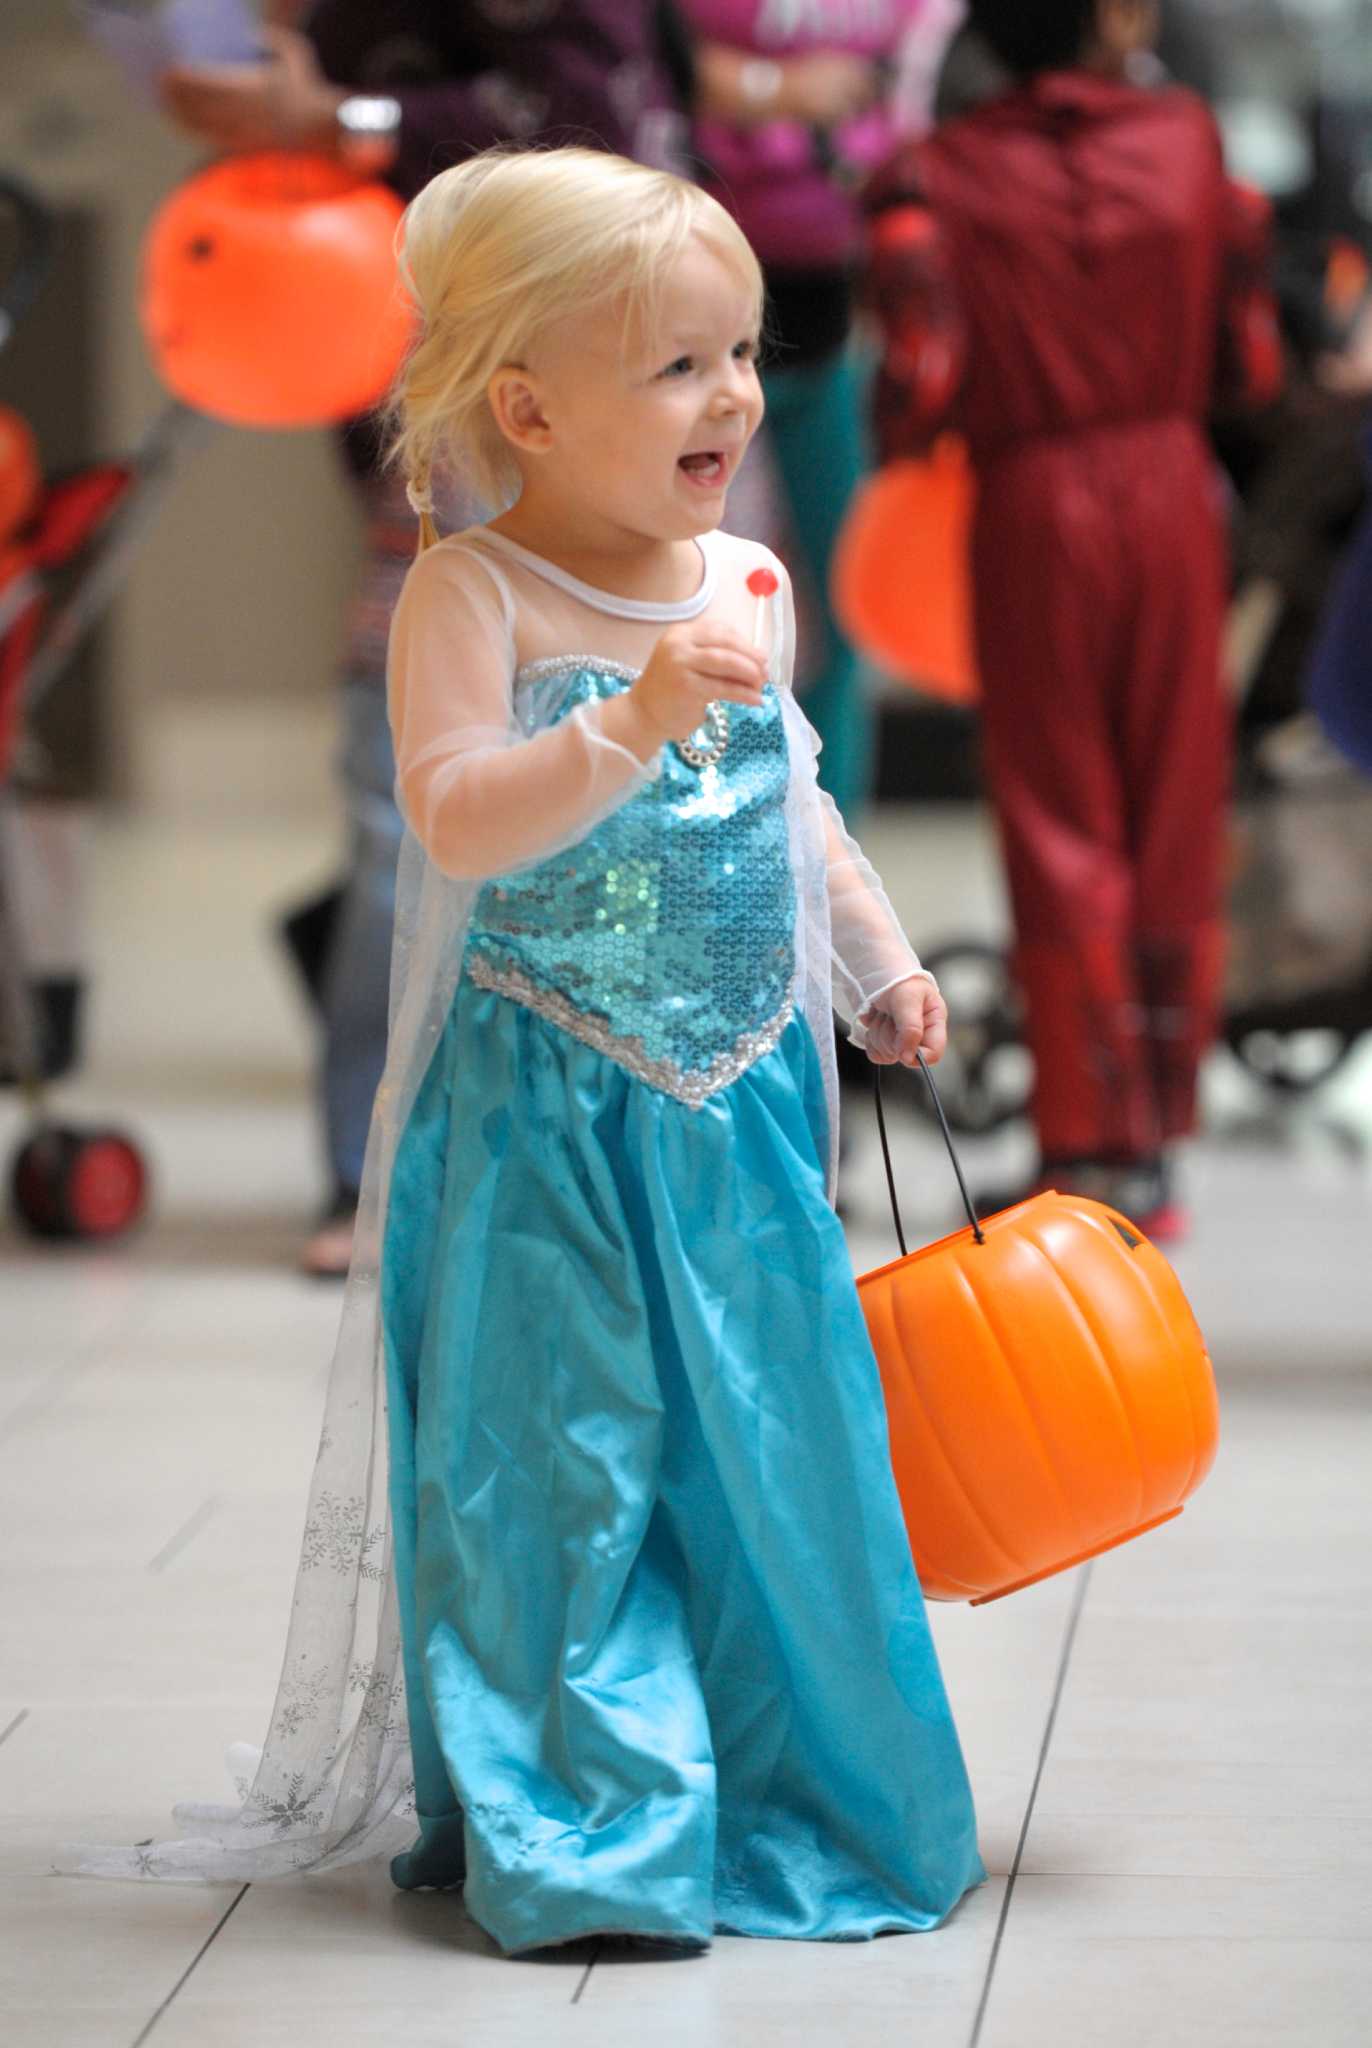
(1068, 278)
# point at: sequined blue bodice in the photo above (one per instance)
(665, 937)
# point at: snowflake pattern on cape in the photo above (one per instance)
(337, 1537)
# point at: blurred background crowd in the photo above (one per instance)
(231, 650)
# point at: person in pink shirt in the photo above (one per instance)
(795, 102)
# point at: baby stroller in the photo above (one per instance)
(65, 545)
(1299, 989)
(1298, 994)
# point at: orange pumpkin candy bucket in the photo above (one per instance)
(1048, 1392)
(901, 579)
(269, 291)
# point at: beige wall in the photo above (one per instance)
(224, 639)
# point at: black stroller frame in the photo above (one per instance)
(65, 1181)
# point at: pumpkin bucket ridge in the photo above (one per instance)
(1006, 1352)
(977, 1513)
(1108, 1375)
(1148, 1277)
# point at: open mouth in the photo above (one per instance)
(708, 468)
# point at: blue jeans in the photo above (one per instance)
(357, 984)
(356, 994)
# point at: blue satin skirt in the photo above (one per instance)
(667, 1661)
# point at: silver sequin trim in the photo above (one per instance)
(694, 1089)
(575, 665)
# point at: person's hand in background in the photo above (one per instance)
(822, 90)
(1348, 373)
(285, 102)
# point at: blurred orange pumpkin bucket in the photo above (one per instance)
(1048, 1391)
(901, 583)
(270, 296)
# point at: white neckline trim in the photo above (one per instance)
(606, 600)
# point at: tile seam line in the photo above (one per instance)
(181, 1538)
(194, 1963)
(585, 1976)
(1064, 1660)
(17, 1722)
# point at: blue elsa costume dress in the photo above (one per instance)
(667, 1663)
(604, 1592)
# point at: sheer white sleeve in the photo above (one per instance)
(481, 797)
(869, 951)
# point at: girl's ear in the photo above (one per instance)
(517, 408)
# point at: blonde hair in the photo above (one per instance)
(501, 248)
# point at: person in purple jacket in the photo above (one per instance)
(401, 89)
(794, 104)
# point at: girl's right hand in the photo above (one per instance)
(692, 666)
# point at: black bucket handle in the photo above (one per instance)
(978, 1234)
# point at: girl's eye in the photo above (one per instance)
(742, 351)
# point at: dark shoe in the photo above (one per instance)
(57, 1002)
(307, 934)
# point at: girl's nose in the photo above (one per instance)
(734, 392)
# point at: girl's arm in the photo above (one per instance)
(871, 951)
(480, 797)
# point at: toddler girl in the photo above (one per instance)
(644, 1604)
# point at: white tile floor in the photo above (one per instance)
(1172, 1751)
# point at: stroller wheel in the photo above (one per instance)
(986, 1076)
(79, 1184)
(1292, 1062)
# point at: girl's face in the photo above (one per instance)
(648, 436)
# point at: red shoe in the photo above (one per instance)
(1169, 1223)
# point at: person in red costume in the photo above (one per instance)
(1067, 277)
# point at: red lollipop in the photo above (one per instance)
(763, 584)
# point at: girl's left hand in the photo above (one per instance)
(910, 1018)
